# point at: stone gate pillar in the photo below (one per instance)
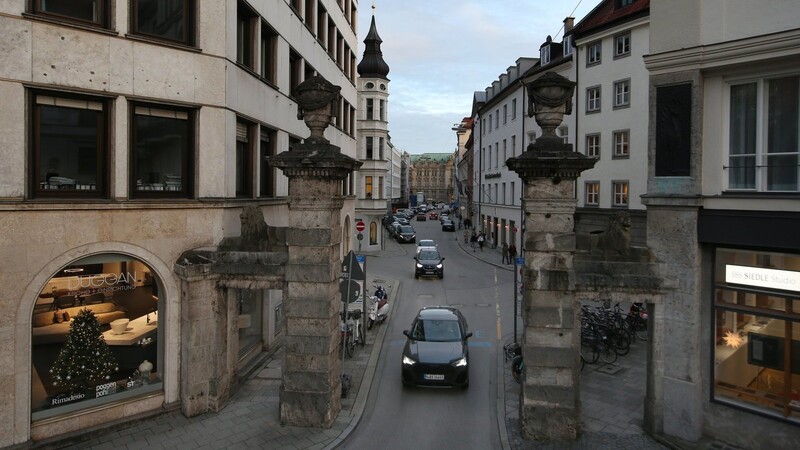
(550, 401)
(311, 390)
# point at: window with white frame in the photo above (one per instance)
(370, 109)
(622, 45)
(593, 99)
(622, 93)
(591, 196)
(490, 123)
(369, 147)
(563, 133)
(505, 195)
(382, 110)
(497, 118)
(505, 150)
(544, 55)
(622, 144)
(594, 53)
(513, 109)
(381, 144)
(763, 136)
(514, 145)
(368, 187)
(496, 154)
(620, 198)
(593, 145)
(567, 45)
(505, 114)
(483, 126)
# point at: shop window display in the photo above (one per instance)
(95, 336)
(757, 331)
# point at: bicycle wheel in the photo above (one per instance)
(641, 329)
(349, 345)
(620, 342)
(517, 366)
(607, 353)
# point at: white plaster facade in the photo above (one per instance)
(612, 119)
(113, 64)
(500, 133)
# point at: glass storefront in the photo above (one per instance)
(756, 316)
(95, 335)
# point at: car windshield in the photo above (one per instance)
(406, 229)
(426, 243)
(436, 330)
(425, 254)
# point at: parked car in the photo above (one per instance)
(436, 351)
(448, 225)
(406, 234)
(433, 215)
(428, 262)
(394, 229)
(402, 220)
(444, 217)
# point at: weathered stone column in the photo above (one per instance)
(550, 401)
(311, 390)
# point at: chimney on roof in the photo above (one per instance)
(569, 22)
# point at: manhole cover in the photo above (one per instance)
(610, 369)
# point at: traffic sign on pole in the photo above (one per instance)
(360, 226)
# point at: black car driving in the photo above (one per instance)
(428, 262)
(448, 225)
(436, 351)
(406, 234)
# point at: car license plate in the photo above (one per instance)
(428, 272)
(434, 376)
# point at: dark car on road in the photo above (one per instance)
(448, 225)
(406, 234)
(433, 215)
(421, 217)
(394, 229)
(428, 262)
(436, 351)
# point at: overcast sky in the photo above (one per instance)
(441, 51)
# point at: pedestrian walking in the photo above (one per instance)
(512, 253)
(481, 240)
(504, 252)
(473, 241)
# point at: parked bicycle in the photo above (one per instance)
(513, 351)
(347, 343)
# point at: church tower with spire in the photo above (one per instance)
(373, 191)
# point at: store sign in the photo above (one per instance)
(785, 280)
(102, 283)
(106, 389)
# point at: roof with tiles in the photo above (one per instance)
(608, 14)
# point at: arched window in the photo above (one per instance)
(373, 233)
(95, 335)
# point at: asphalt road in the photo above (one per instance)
(428, 418)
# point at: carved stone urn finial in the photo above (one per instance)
(317, 103)
(549, 98)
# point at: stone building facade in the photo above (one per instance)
(131, 136)
(432, 174)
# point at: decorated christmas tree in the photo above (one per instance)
(85, 358)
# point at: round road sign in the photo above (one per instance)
(360, 226)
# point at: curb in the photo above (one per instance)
(369, 373)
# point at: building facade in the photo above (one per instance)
(432, 175)
(373, 141)
(131, 135)
(723, 214)
(610, 112)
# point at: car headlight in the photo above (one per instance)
(409, 362)
(439, 266)
(419, 266)
(460, 362)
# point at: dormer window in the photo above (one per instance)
(567, 44)
(544, 55)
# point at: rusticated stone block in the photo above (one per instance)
(550, 317)
(309, 345)
(551, 395)
(548, 337)
(304, 237)
(302, 326)
(311, 308)
(305, 273)
(303, 362)
(550, 280)
(551, 356)
(550, 242)
(306, 409)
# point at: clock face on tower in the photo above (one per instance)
(369, 85)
